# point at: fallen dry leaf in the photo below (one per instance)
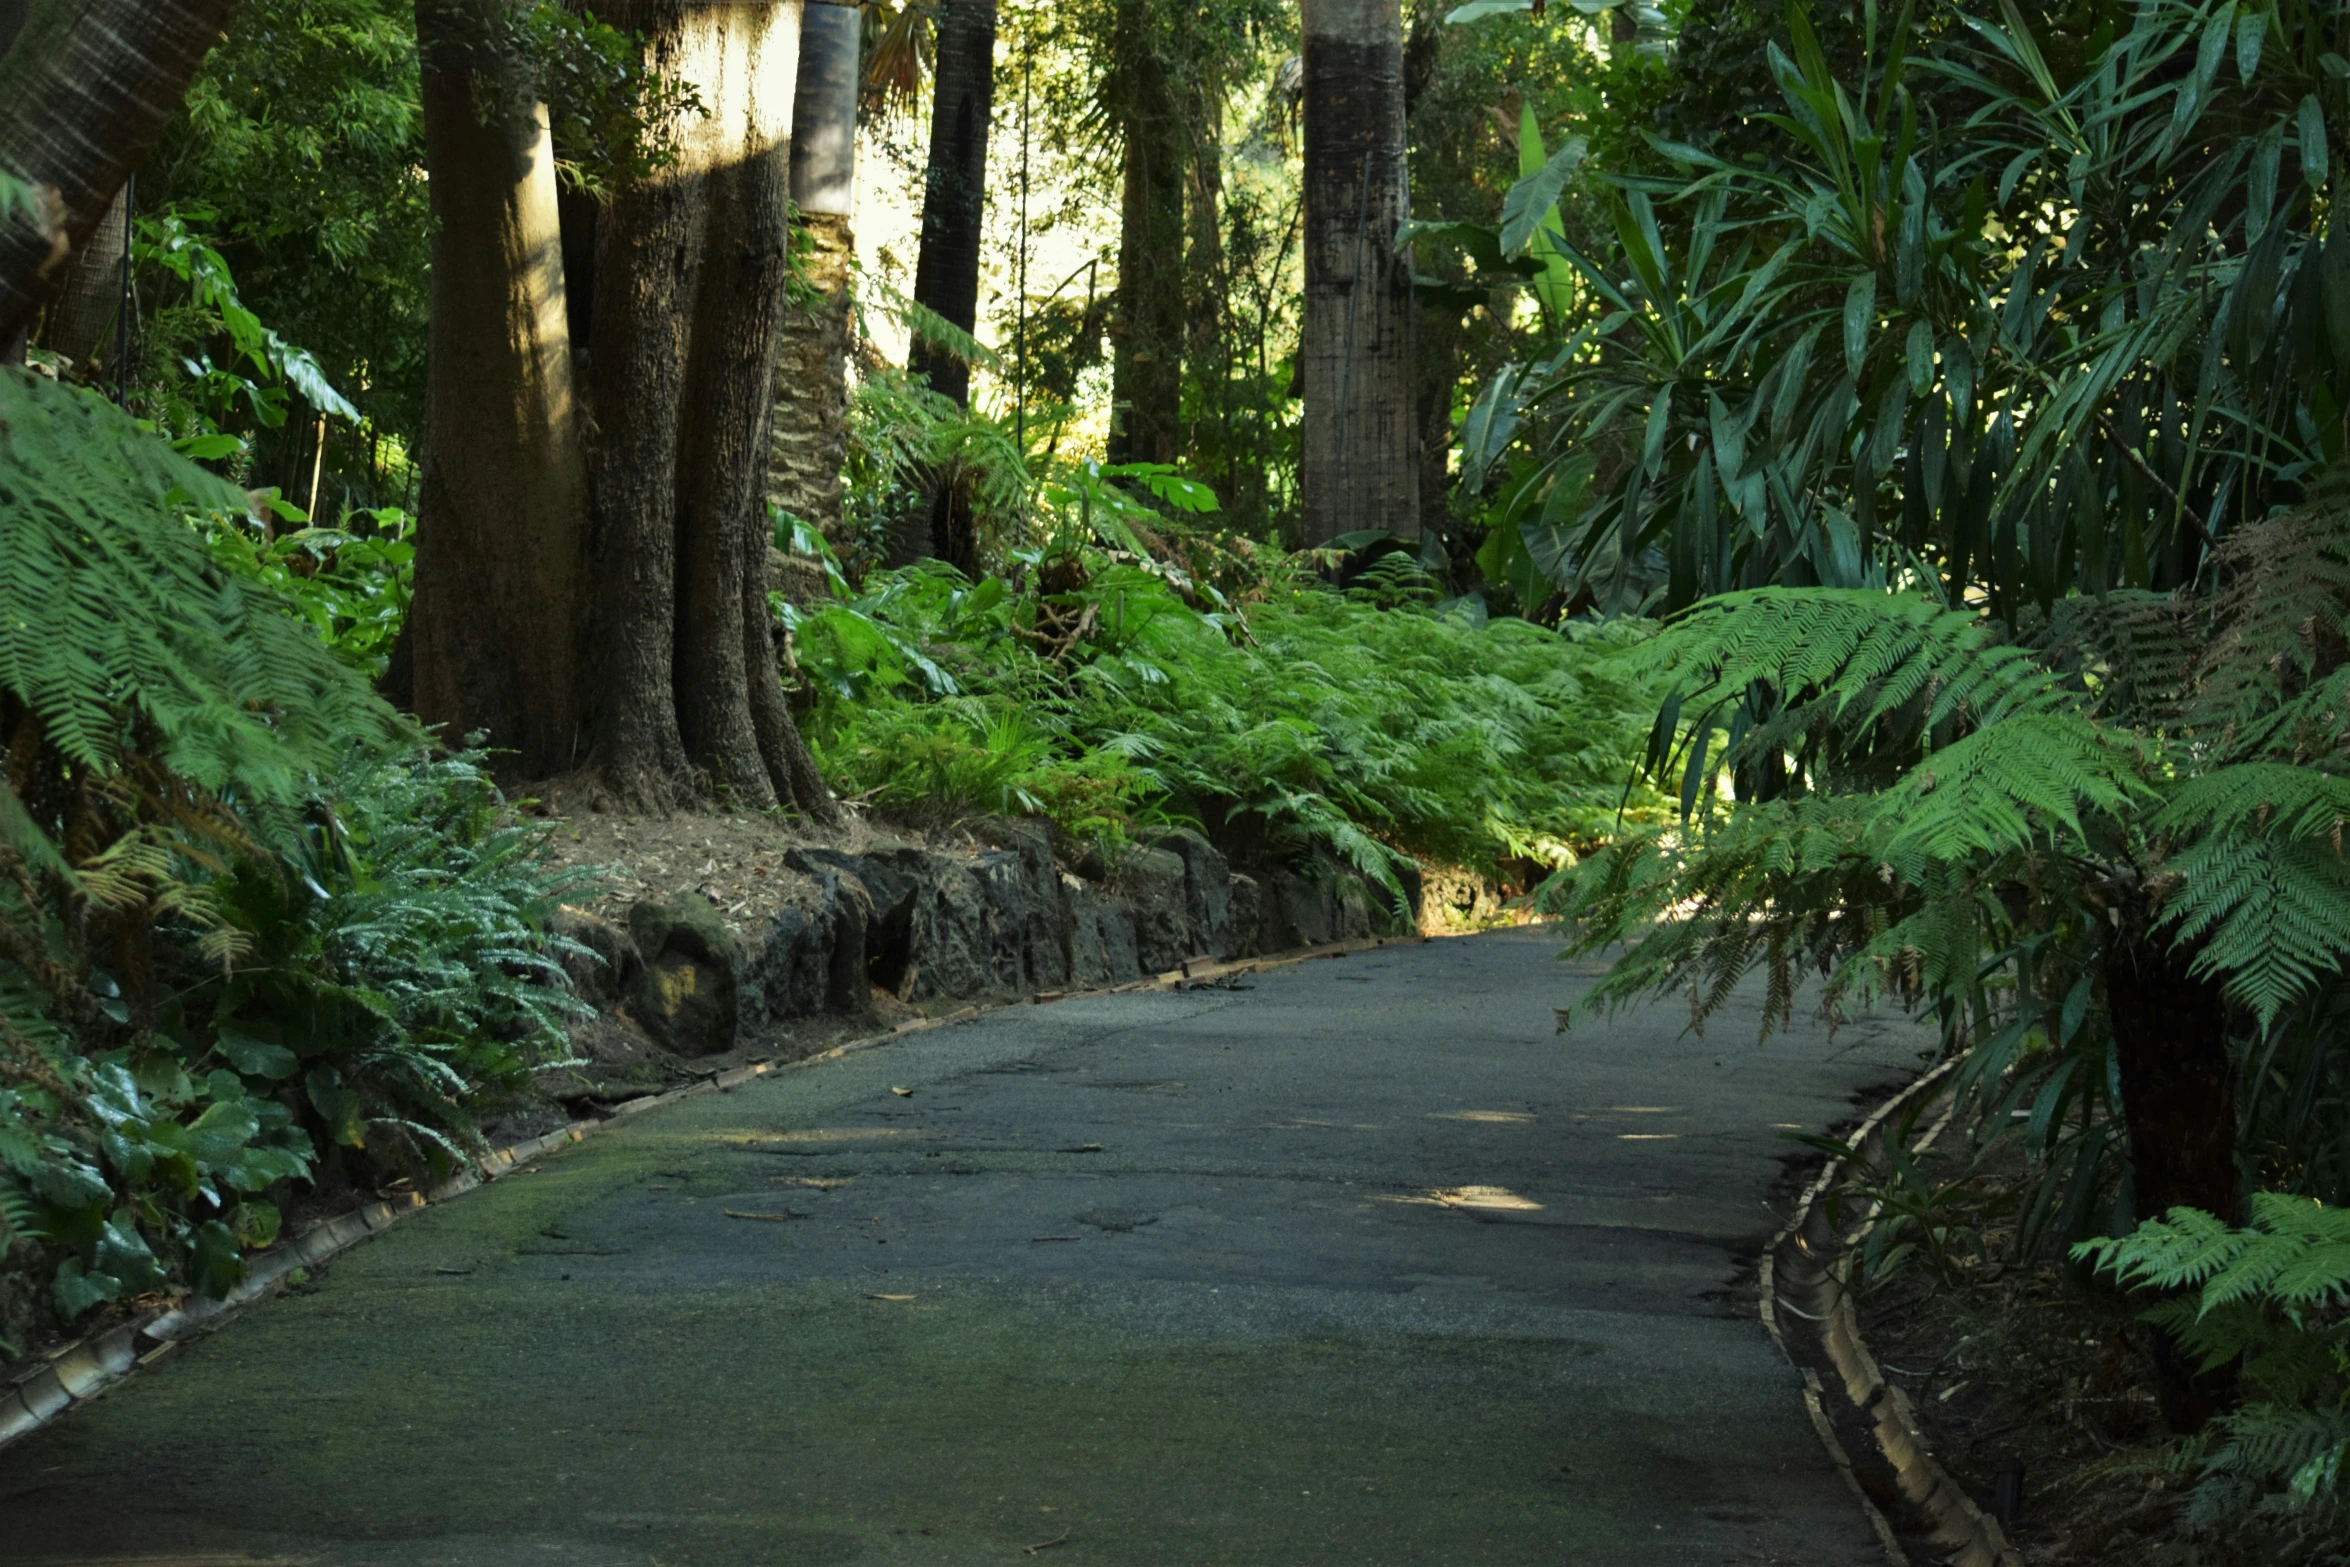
(786, 1214)
(903, 1093)
(870, 1296)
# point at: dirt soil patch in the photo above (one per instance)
(2032, 1387)
(733, 858)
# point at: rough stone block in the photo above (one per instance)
(686, 995)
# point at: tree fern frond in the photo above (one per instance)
(2009, 786)
(2263, 884)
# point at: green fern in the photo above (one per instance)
(2262, 882)
(2296, 1253)
(2273, 1297)
(113, 617)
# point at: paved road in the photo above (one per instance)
(1358, 1265)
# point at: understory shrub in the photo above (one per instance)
(2272, 1299)
(245, 920)
(1108, 690)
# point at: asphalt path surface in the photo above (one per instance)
(1355, 1261)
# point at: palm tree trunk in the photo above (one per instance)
(811, 387)
(954, 195)
(1360, 463)
(76, 322)
(1147, 372)
(946, 276)
(495, 632)
(84, 92)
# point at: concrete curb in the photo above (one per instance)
(1809, 1313)
(45, 1392)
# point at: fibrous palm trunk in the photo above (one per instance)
(91, 297)
(946, 275)
(810, 441)
(1360, 463)
(84, 92)
(1146, 423)
(690, 275)
(496, 632)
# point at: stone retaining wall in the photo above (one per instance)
(925, 924)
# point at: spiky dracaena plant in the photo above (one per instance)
(2108, 855)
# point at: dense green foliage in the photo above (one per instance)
(2274, 1299)
(242, 923)
(2037, 321)
(1106, 693)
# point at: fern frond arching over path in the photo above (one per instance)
(120, 634)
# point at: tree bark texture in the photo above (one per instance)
(496, 632)
(810, 441)
(2178, 1093)
(1439, 347)
(76, 322)
(946, 274)
(1360, 463)
(690, 277)
(1146, 422)
(954, 194)
(84, 92)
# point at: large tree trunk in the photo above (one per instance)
(496, 631)
(83, 94)
(1360, 464)
(1146, 422)
(690, 278)
(811, 387)
(954, 193)
(946, 275)
(2178, 1092)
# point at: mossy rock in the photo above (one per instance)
(688, 994)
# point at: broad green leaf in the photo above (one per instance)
(208, 448)
(1478, 10)
(1921, 358)
(255, 1057)
(1860, 313)
(1531, 199)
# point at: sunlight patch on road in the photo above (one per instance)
(1497, 1199)
(816, 1134)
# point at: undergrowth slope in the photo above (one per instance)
(1112, 696)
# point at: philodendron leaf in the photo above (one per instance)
(1530, 201)
(255, 1057)
(215, 1263)
(76, 1291)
